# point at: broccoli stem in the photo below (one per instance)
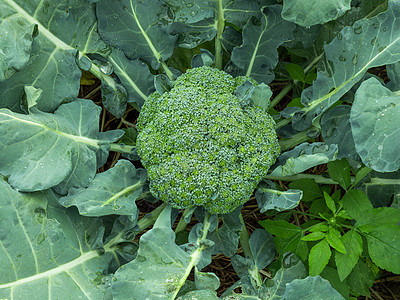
(295, 140)
(218, 37)
(182, 223)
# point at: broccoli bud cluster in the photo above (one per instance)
(200, 146)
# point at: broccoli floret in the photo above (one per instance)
(200, 146)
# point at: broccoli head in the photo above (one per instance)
(201, 146)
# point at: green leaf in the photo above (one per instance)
(355, 202)
(319, 227)
(268, 199)
(295, 71)
(63, 149)
(206, 280)
(339, 170)
(378, 216)
(261, 95)
(308, 13)
(205, 58)
(292, 268)
(226, 237)
(373, 42)
(200, 295)
(52, 256)
(311, 288)
(257, 56)
(112, 192)
(63, 27)
(303, 157)
(314, 236)
(262, 247)
(280, 228)
(140, 31)
(330, 203)
(345, 262)
(309, 187)
(135, 76)
(319, 257)
(16, 42)
(336, 129)
(293, 244)
(333, 238)
(361, 278)
(384, 247)
(157, 270)
(373, 119)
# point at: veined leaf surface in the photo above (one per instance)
(42, 259)
(111, 192)
(42, 150)
(309, 13)
(136, 28)
(257, 56)
(62, 28)
(368, 43)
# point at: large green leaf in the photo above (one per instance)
(134, 75)
(368, 43)
(198, 21)
(258, 56)
(309, 13)
(43, 259)
(63, 27)
(136, 28)
(16, 42)
(311, 288)
(160, 268)
(64, 149)
(262, 247)
(111, 192)
(374, 120)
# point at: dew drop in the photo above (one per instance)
(380, 147)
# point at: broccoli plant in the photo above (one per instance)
(145, 143)
(202, 145)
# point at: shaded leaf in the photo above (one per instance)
(339, 170)
(280, 228)
(355, 202)
(361, 278)
(262, 247)
(257, 56)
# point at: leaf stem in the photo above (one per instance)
(295, 140)
(121, 148)
(182, 223)
(318, 178)
(194, 257)
(150, 218)
(244, 239)
(218, 37)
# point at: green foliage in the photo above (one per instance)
(200, 112)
